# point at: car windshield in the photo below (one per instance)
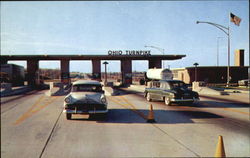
(177, 84)
(86, 88)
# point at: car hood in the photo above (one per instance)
(86, 97)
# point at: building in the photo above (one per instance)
(11, 73)
(210, 74)
(214, 74)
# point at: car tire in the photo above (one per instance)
(148, 97)
(167, 101)
(68, 116)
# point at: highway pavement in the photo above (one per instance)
(33, 125)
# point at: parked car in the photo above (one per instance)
(86, 97)
(170, 91)
(244, 82)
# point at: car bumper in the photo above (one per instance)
(85, 112)
(184, 100)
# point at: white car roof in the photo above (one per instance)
(92, 82)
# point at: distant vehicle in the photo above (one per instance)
(244, 82)
(159, 74)
(86, 97)
(170, 91)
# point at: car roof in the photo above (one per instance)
(92, 82)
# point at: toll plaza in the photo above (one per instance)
(154, 61)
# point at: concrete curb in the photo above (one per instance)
(137, 88)
(209, 91)
(55, 92)
(109, 91)
(58, 91)
(236, 91)
(223, 99)
(15, 91)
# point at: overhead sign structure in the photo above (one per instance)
(125, 57)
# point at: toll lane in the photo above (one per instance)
(36, 127)
(26, 127)
(123, 134)
(200, 126)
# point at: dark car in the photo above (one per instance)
(170, 91)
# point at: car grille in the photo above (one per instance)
(86, 107)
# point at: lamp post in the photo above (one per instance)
(105, 77)
(218, 40)
(160, 49)
(226, 30)
(195, 75)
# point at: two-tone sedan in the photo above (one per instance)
(170, 91)
(86, 97)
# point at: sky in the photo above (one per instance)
(95, 27)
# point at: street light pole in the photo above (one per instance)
(218, 40)
(161, 50)
(226, 30)
(105, 78)
(195, 64)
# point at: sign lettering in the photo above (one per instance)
(129, 52)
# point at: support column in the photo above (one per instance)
(156, 63)
(65, 76)
(126, 70)
(32, 72)
(96, 69)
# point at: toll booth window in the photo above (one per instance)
(156, 84)
(162, 85)
(86, 88)
(165, 85)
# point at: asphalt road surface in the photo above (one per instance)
(33, 125)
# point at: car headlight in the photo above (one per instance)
(67, 100)
(172, 94)
(103, 100)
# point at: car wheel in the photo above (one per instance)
(167, 101)
(148, 97)
(68, 116)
